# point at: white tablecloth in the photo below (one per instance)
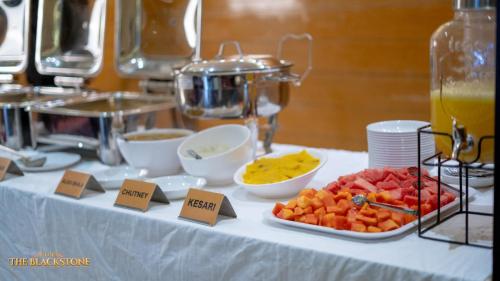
(124, 244)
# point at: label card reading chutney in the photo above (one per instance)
(205, 206)
(8, 166)
(73, 183)
(137, 195)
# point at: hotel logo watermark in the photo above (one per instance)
(49, 259)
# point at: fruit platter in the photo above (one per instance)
(332, 209)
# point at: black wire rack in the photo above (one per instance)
(440, 161)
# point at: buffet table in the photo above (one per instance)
(124, 244)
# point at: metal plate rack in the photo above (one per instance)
(440, 161)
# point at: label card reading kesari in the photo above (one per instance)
(205, 206)
(73, 183)
(8, 166)
(137, 195)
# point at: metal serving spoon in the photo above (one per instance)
(33, 161)
(360, 200)
(194, 154)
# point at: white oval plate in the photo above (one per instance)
(55, 161)
(176, 187)
(113, 177)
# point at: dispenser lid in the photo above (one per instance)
(70, 37)
(14, 30)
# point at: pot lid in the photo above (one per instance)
(14, 29)
(237, 64)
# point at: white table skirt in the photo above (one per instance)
(124, 244)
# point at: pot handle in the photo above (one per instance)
(296, 78)
(223, 44)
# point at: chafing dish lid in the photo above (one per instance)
(14, 29)
(70, 37)
(237, 65)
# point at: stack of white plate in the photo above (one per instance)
(395, 143)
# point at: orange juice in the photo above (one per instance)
(473, 106)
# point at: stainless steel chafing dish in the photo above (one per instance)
(95, 121)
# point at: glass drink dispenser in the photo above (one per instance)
(463, 81)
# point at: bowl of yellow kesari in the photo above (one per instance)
(281, 174)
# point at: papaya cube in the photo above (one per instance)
(408, 218)
(383, 214)
(308, 210)
(323, 193)
(373, 229)
(339, 222)
(397, 218)
(327, 220)
(277, 208)
(343, 195)
(320, 212)
(285, 214)
(308, 192)
(300, 219)
(359, 227)
(298, 211)
(328, 201)
(372, 197)
(303, 201)
(311, 219)
(366, 220)
(369, 212)
(331, 209)
(384, 196)
(316, 203)
(291, 204)
(388, 225)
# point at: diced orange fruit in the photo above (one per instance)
(311, 219)
(298, 211)
(408, 218)
(372, 197)
(366, 220)
(320, 212)
(308, 192)
(374, 229)
(316, 203)
(384, 196)
(300, 219)
(323, 193)
(329, 201)
(303, 202)
(277, 208)
(339, 222)
(359, 227)
(308, 210)
(285, 214)
(369, 212)
(383, 214)
(327, 220)
(397, 218)
(291, 204)
(388, 225)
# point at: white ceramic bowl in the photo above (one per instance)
(158, 157)
(285, 188)
(217, 169)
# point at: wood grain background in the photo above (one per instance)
(370, 60)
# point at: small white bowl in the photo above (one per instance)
(217, 169)
(158, 157)
(285, 188)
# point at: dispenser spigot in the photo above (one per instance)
(462, 142)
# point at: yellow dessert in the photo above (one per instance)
(271, 170)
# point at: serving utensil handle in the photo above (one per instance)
(297, 78)
(394, 208)
(236, 44)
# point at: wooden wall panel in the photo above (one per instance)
(370, 60)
